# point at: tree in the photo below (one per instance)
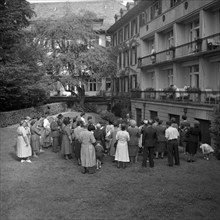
(215, 130)
(22, 83)
(73, 56)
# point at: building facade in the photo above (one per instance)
(169, 59)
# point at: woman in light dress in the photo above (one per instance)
(113, 140)
(88, 156)
(23, 144)
(121, 153)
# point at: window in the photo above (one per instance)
(156, 9)
(174, 2)
(170, 77)
(194, 76)
(153, 115)
(120, 36)
(170, 39)
(126, 58)
(133, 81)
(142, 19)
(91, 85)
(133, 58)
(170, 42)
(126, 32)
(193, 34)
(119, 60)
(108, 84)
(115, 40)
(94, 85)
(134, 27)
(152, 78)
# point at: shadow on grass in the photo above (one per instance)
(13, 154)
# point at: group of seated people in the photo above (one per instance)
(121, 139)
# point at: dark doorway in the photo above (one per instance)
(138, 116)
(204, 126)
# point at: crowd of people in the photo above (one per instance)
(122, 140)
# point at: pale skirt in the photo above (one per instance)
(121, 153)
(88, 156)
(22, 149)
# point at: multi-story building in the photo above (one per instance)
(104, 9)
(170, 54)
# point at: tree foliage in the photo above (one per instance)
(73, 55)
(22, 83)
(215, 130)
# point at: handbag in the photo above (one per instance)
(115, 144)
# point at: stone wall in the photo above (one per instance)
(14, 117)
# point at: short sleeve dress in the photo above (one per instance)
(23, 150)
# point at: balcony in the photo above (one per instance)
(207, 97)
(197, 47)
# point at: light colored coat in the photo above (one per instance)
(88, 156)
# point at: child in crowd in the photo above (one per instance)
(206, 150)
(99, 154)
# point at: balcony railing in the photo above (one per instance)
(199, 97)
(206, 44)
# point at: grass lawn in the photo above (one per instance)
(52, 188)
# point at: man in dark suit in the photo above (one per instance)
(149, 139)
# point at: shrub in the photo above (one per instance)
(215, 131)
(108, 116)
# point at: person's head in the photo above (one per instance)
(123, 126)
(98, 125)
(150, 122)
(27, 118)
(145, 122)
(33, 122)
(82, 114)
(66, 121)
(23, 123)
(83, 125)
(168, 123)
(156, 119)
(91, 127)
(127, 115)
(60, 116)
(98, 143)
(133, 123)
(184, 117)
(173, 120)
(89, 118)
(115, 123)
(196, 124)
(79, 123)
(160, 122)
(74, 119)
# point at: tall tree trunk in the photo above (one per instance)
(81, 93)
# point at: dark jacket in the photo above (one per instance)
(149, 137)
(194, 135)
(54, 129)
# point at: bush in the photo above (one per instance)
(215, 131)
(120, 109)
(108, 116)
